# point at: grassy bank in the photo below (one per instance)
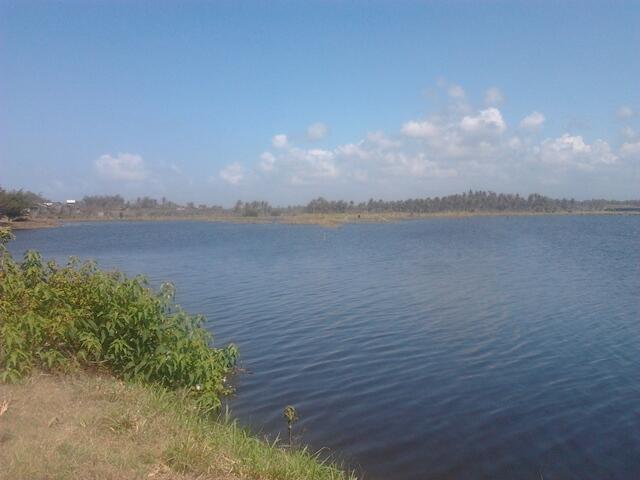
(102, 377)
(30, 223)
(97, 427)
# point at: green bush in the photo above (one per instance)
(57, 318)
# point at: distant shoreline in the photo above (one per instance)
(32, 224)
(320, 219)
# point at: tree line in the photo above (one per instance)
(17, 203)
(471, 201)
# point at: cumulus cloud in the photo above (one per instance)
(267, 161)
(630, 150)
(233, 173)
(317, 131)
(417, 129)
(533, 121)
(376, 158)
(310, 165)
(625, 112)
(123, 166)
(458, 144)
(280, 141)
(303, 166)
(572, 151)
(493, 97)
(486, 121)
(382, 141)
(457, 134)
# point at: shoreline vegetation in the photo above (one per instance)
(26, 210)
(103, 377)
(319, 219)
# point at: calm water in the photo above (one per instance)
(497, 348)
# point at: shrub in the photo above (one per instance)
(57, 318)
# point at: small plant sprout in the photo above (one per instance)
(5, 236)
(291, 415)
(168, 291)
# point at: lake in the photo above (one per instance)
(472, 348)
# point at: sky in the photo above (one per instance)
(285, 101)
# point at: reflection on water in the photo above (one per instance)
(448, 348)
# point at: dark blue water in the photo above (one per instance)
(480, 348)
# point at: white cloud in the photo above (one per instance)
(267, 161)
(625, 112)
(630, 150)
(572, 151)
(233, 173)
(123, 166)
(353, 150)
(424, 129)
(533, 121)
(381, 140)
(457, 147)
(456, 135)
(280, 141)
(493, 97)
(377, 158)
(456, 91)
(307, 166)
(317, 131)
(403, 164)
(298, 166)
(487, 121)
(629, 133)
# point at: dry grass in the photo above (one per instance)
(30, 224)
(92, 427)
(63, 428)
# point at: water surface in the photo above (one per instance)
(476, 348)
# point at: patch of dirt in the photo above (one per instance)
(83, 428)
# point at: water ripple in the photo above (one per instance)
(441, 349)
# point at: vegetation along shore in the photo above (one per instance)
(25, 210)
(103, 377)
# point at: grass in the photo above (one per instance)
(97, 427)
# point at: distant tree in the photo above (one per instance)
(103, 202)
(145, 202)
(16, 203)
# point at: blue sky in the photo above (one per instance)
(287, 100)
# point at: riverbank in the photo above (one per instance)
(31, 224)
(95, 426)
(320, 219)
